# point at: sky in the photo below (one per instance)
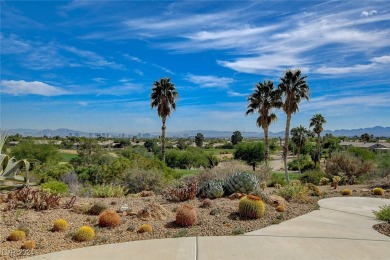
(90, 65)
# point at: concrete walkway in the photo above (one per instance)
(341, 229)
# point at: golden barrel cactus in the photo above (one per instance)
(251, 207)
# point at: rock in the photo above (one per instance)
(144, 213)
(154, 211)
(123, 208)
(276, 200)
(365, 190)
(236, 196)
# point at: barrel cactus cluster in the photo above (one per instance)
(251, 207)
(242, 182)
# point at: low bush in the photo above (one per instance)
(383, 214)
(294, 192)
(56, 187)
(312, 176)
(190, 158)
(181, 192)
(276, 179)
(362, 153)
(305, 163)
(106, 191)
(352, 166)
(324, 181)
(138, 180)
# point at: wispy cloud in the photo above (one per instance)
(21, 87)
(138, 60)
(45, 56)
(210, 81)
(83, 103)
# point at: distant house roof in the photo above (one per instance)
(371, 146)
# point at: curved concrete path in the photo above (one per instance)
(341, 229)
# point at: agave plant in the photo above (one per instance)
(11, 169)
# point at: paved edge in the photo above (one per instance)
(270, 242)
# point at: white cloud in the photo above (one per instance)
(368, 13)
(82, 103)
(237, 94)
(139, 72)
(210, 81)
(99, 80)
(21, 87)
(383, 59)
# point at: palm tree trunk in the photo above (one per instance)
(318, 151)
(163, 139)
(266, 144)
(299, 154)
(285, 147)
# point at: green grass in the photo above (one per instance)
(293, 176)
(66, 157)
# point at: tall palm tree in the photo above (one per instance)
(293, 88)
(163, 98)
(317, 121)
(299, 137)
(263, 100)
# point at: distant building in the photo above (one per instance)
(368, 146)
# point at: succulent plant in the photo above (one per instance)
(251, 206)
(263, 185)
(109, 218)
(98, 208)
(85, 233)
(324, 181)
(212, 189)
(335, 181)
(281, 208)
(206, 203)
(295, 183)
(313, 189)
(241, 182)
(17, 235)
(277, 186)
(145, 228)
(29, 244)
(186, 216)
(378, 191)
(60, 225)
(346, 192)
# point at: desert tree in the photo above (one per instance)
(293, 88)
(199, 138)
(299, 136)
(317, 122)
(163, 98)
(236, 137)
(263, 100)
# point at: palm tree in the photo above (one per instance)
(299, 137)
(317, 121)
(163, 98)
(264, 99)
(293, 88)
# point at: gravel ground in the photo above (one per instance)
(383, 228)
(223, 223)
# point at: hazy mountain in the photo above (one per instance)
(376, 131)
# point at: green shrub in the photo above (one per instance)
(362, 153)
(290, 192)
(252, 153)
(106, 191)
(305, 163)
(190, 158)
(55, 187)
(276, 178)
(138, 180)
(383, 214)
(312, 176)
(347, 163)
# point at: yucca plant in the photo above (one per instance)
(11, 169)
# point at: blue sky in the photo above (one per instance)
(90, 65)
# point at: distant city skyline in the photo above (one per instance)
(90, 65)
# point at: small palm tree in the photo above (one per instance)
(264, 99)
(299, 136)
(163, 98)
(293, 88)
(317, 121)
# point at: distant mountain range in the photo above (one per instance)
(376, 131)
